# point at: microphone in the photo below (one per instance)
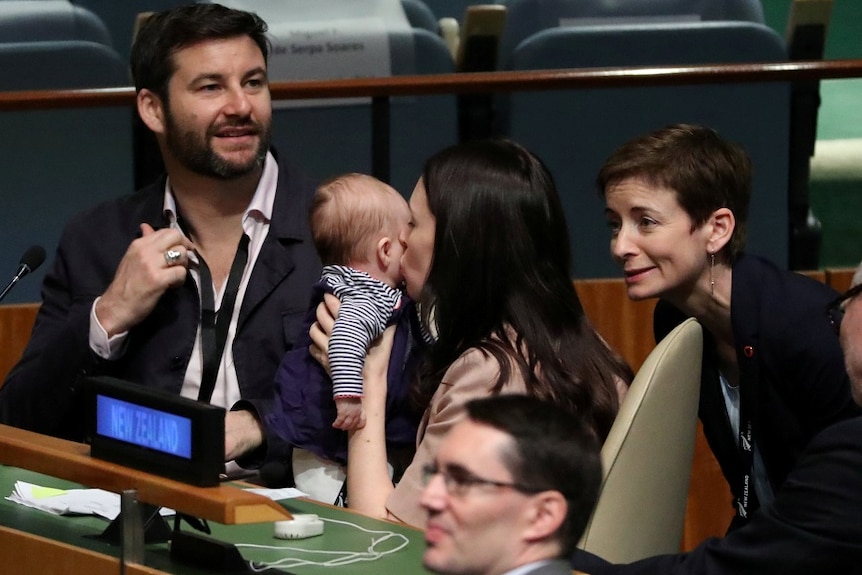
(30, 261)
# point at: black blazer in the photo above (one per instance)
(813, 526)
(42, 393)
(788, 351)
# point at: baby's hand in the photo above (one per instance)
(350, 413)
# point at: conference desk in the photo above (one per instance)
(34, 541)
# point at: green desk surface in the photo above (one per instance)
(338, 539)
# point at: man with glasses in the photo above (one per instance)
(814, 525)
(846, 313)
(511, 489)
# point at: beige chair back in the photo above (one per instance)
(648, 453)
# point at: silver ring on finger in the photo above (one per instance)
(172, 257)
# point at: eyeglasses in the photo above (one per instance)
(458, 480)
(835, 310)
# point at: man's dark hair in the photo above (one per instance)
(164, 33)
(553, 450)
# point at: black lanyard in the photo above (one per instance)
(215, 323)
(746, 502)
(747, 499)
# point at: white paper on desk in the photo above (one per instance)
(278, 494)
(70, 501)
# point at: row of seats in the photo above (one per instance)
(54, 163)
(51, 44)
(528, 17)
(573, 131)
(30, 21)
(112, 23)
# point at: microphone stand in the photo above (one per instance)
(23, 270)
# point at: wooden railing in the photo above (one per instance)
(16, 323)
(466, 83)
(381, 89)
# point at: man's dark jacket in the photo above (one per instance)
(813, 526)
(43, 392)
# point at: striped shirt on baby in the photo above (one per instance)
(366, 308)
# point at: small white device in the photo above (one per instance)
(302, 525)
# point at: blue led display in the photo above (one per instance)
(143, 426)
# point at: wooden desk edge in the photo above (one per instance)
(71, 461)
(25, 553)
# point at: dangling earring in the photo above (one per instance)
(711, 278)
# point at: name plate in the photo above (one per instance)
(330, 39)
(156, 431)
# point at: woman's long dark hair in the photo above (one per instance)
(501, 281)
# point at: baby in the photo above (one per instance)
(356, 221)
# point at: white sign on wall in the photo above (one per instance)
(328, 39)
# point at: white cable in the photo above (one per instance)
(342, 557)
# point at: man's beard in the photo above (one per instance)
(197, 155)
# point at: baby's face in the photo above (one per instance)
(400, 230)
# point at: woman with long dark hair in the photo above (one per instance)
(487, 259)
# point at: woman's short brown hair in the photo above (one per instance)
(705, 171)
